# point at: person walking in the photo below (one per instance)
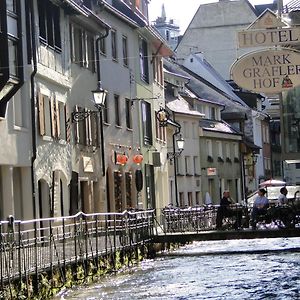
(260, 206)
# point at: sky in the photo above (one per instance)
(182, 11)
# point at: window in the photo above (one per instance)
(128, 112)
(90, 55)
(167, 35)
(83, 48)
(103, 46)
(117, 110)
(190, 199)
(213, 115)
(52, 118)
(49, 24)
(157, 69)
(196, 165)
(197, 195)
(125, 50)
(86, 131)
(13, 57)
(147, 123)
(227, 147)
(236, 150)
(186, 129)
(11, 5)
(143, 55)
(188, 170)
(114, 44)
(105, 111)
(20, 119)
(209, 147)
(219, 149)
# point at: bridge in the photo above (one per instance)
(212, 235)
(199, 224)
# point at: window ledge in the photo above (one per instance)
(118, 126)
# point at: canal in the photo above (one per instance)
(233, 270)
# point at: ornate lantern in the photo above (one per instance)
(138, 158)
(122, 159)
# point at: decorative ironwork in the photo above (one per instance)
(79, 116)
(163, 116)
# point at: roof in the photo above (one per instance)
(201, 88)
(180, 105)
(217, 126)
(293, 5)
(197, 64)
(260, 8)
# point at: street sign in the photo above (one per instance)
(267, 71)
(268, 37)
(211, 171)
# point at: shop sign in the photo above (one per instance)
(211, 171)
(267, 71)
(268, 37)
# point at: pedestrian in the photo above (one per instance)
(282, 199)
(226, 210)
(260, 206)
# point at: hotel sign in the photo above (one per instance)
(267, 71)
(268, 37)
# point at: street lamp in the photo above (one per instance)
(163, 116)
(180, 147)
(99, 97)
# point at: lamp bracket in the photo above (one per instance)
(79, 116)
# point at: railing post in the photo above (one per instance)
(97, 251)
(19, 254)
(1, 254)
(106, 235)
(64, 247)
(36, 281)
(75, 240)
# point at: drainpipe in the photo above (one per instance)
(177, 131)
(175, 166)
(99, 80)
(33, 114)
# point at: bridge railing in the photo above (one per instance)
(189, 219)
(30, 247)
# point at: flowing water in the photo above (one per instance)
(233, 270)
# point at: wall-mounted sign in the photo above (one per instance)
(267, 71)
(211, 171)
(268, 37)
(87, 164)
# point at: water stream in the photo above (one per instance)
(233, 270)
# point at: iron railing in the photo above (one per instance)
(31, 247)
(191, 219)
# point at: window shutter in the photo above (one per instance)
(85, 125)
(53, 117)
(67, 124)
(89, 130)
(77, 128)
(41, 114)
(57, 114)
